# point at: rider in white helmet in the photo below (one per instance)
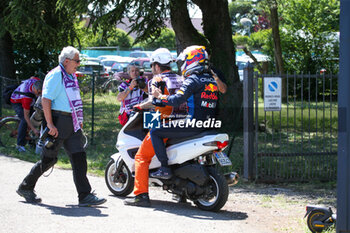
(168, 82)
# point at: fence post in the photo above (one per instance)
(1, 89)
(248, 122)
(93, 106)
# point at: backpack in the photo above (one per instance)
(6, 95)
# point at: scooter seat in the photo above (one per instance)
(173, 141)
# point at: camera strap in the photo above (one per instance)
(44, 172)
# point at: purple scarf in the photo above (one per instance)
(73, 94)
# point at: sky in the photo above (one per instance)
(195, 12)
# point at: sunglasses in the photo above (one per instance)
(77, 61)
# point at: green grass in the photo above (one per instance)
(299, 128)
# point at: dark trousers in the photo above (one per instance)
(22, 127)
(157, 136)
(73, 145)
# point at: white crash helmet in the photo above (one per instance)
(161, 56)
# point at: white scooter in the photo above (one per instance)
(193, 161)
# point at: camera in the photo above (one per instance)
(141, 83)
(161, 85)
(47, 139)
(38, 114)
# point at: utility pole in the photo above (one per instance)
(343, 182)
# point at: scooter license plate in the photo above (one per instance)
(222, 159)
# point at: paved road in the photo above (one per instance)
(59, 211)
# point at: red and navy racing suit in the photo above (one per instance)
(201, 93)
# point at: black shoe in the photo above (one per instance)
(91, 200)
(139, 200)
(29, 195)
(162, 173)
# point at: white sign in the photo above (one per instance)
(272, 94)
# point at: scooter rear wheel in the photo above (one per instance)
(119, 183)
(218, 195)
(315, 215)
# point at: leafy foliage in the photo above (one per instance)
(113, 37)
(309, 34)
(240, 40)
(146, 17)
(247, 9)
(39, 31)
(261, 40)
(240, 9)
(309, 38)
(166, 39)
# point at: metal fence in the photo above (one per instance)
(99, 100)
(297, 142)
(5, 109)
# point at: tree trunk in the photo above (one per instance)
(217, 29)
(7, 68)
(277, 45)
(186, 33)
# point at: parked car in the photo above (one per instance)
(139, 54)
(108, 63)
(88, 67)
(103, 57)
(119, 66)
(145, 69)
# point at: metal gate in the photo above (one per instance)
(298, 142)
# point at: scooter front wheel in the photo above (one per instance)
(315, 215)
(120, 183)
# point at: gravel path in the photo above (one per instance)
(59, 211)
(250, 208)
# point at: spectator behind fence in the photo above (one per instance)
(131, 92)
(63, 111)
(22, 100)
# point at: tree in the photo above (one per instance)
(166, 39)
(7, 68)
(276, 39)
(38, 31)
(241, 9)
(148, 17)
(310, 34)
(90, 38)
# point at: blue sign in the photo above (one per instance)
(272, 94)
(273, 86)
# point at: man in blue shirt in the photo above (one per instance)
(63, 113)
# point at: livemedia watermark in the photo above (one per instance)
(152, 120)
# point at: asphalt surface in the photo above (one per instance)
(60, 213)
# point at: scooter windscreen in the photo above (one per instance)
(135, 128)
